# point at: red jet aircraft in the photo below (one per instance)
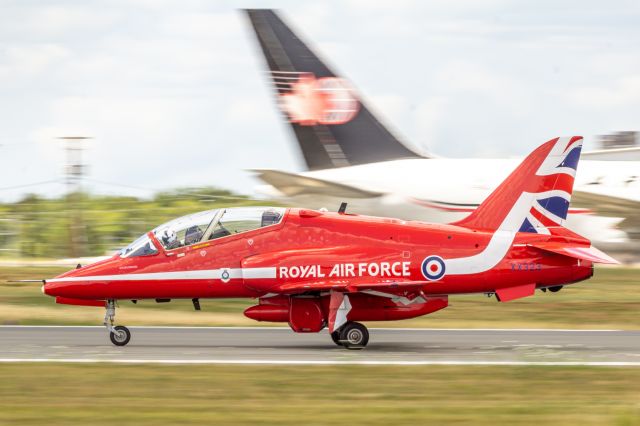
(315, 269)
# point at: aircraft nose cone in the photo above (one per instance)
(46, 289)
(54, 289)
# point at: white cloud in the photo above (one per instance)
(18, 62)
(622, 93)
(202, 25)
(28, 21)
(243, 110)
(429, 116)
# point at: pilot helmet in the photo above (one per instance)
(168, 236)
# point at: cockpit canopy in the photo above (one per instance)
(204, 226)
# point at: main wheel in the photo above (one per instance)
(354, 335)
(120, 336)
(335, 336)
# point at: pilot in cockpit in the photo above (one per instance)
(169, 239)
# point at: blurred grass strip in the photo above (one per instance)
(316, 395)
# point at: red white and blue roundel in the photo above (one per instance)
(433, 268)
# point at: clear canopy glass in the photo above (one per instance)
(244, 219)
(143, 246)
(203, 226)
(185, 230)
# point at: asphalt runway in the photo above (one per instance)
(260, 345)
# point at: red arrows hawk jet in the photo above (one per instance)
(315, 269)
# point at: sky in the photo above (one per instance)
(174, 93)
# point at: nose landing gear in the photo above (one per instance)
(119, 335)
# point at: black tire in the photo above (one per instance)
(555, 289)
(335, 336)
(121, 336)
(354, 335)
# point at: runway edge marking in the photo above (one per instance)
(319, 362)
(154, 327)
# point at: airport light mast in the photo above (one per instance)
(74, 172)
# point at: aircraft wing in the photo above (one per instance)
(291, 184)
(351, 285)
(612, 202)
(607, 201)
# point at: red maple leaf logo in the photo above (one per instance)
(327, 100)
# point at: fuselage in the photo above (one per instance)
(309, 247)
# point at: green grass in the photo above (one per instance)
(609, 300)
(316, 395)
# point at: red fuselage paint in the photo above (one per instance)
(315, 249)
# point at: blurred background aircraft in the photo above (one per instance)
(352, 156)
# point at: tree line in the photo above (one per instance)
(84, 224)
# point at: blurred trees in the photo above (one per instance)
(40, 227)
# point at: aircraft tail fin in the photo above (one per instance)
(332, 125)
(535, 197)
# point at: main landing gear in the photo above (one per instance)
(352, 335)
(119, 335)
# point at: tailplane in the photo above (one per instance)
(582, 252)
(332, 125)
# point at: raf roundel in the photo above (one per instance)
(433, 268)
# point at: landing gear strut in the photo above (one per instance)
(119, 335)
(352, 335)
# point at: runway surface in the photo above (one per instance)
(191, 345)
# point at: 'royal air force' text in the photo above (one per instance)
(346, 270)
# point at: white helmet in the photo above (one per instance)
(168, 236)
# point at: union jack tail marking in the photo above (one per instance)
(536, 195)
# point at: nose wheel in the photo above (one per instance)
(119, 335)
(352, 335)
